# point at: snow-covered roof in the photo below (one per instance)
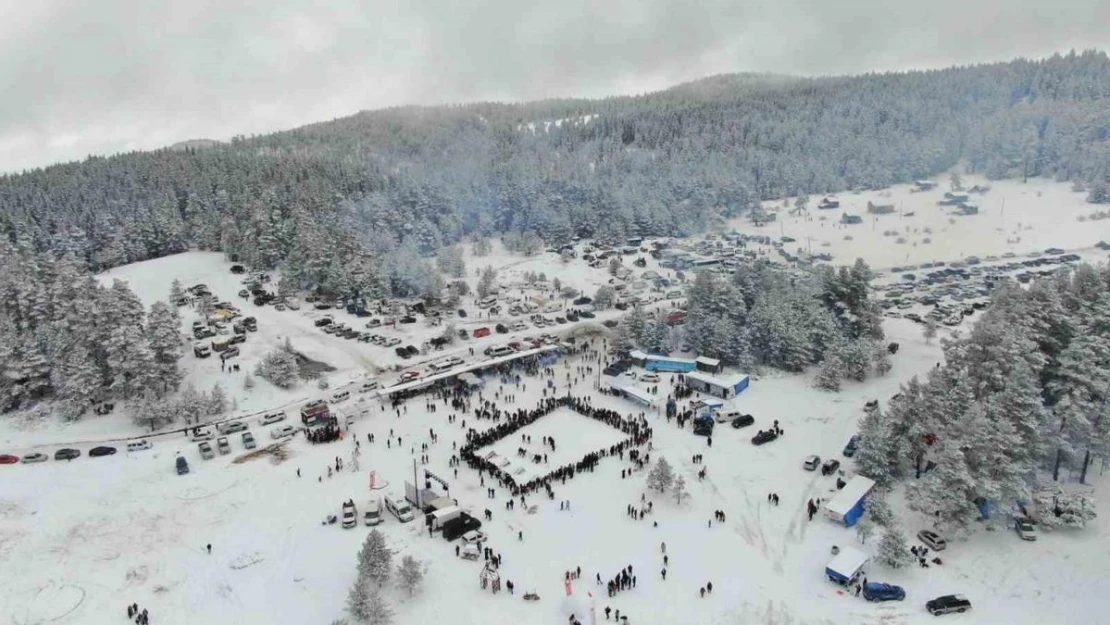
(709, 362)
(720, 382)
(850, 495)
(848, 561)
(481, 364)
(638, 393)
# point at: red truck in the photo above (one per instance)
(480, 332)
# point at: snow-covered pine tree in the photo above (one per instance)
(604, 297)
(130, 363)
(894, 549)
(929, 331)
(828, 378)
(878, 509)
(375, 559)
(279, 367)
(379, 612)
(661, 476)
(410, 574)
(865, 528)
(216, 401)
(679, 489)
(875, 455)
(880, 360)
(165, 346)
(358, 600)
(636, 323)
(177, 292)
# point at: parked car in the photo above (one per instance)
(764, 436)
(932, 540)
(67, 454)
(34, 457)
(874, 591)
(649, 377)
(284, 431)
(323, 321)
(474, 537)
(811, 463)
(1026, 529)
(272, 418)
(140, 445)
(350, 515)
(743, 421)
(9, 459)
(182, 465)
(223, 445)
(852, 446)
(248, 441)
(206, 450)
(231, 427)
(102, 450)
(409, 376)
(830, 466)
(948, 604)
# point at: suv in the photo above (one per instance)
(182, 465)
(883, 592)
(948, 604)
(350, 515)
(248, 441)
(852, 446)
(1026, 529)
(932, 540)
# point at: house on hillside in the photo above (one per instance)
(880, 209)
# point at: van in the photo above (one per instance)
(341, 396)
(437, 519)
(372, 515)
(219, 344)
(399, 508)
(182, 465)
(201, 351)
(498, 351)
(487, 302)
(366, 387)
(139, 445)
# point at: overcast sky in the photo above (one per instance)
(113, 75)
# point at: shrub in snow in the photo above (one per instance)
(410, 574)
(661, 476)
(322, 383)
(865, 528)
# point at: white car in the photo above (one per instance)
(811, 463)
(473, 537)
(393, 342)
(649, 377)
(272, 418)
(140, 445)
(1027, 530)
(284, 431)
(630, 375)
(34, 457)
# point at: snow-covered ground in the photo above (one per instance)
(1013, 217)
(80, 540)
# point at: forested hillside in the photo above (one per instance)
(333, 200)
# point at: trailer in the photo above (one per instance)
(847, 505)
(436, 520)
(846, 567)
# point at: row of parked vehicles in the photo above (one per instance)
(70, 453)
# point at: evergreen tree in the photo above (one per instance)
(130, 362)
(929, 330)
(679, 489)
(358, 601)
(410, 574)
(894, 549)
(165, 347)
(379, 612)
(828, 378)
(661, 476)
(604, 298)
(217, 400)
(375, 559)
(875, 455)
(279, 367)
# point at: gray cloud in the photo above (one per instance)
(115, 75)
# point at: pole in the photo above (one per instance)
(416, 484)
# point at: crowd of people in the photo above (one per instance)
(509, 423)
